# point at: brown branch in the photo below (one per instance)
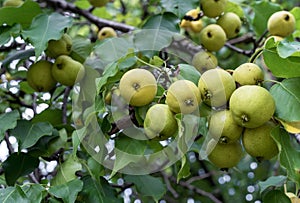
(169, 186)
(238, 50)
(197, 190)
(99, 22)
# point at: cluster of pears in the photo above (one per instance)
(224, 25)
(139, 88)
(43, 75)
(241, 117)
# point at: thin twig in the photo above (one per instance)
(197, 190)
(169, 186)
(238, 50)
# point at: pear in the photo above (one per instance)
(223, 128)
(12, 3)
(159, 122)
(213, 8)
(248, 74)
(183, 96)
(251, 106)
(231, 24)
(106, 32)
(67, 71)
(204, 60)
(213, 37)
(281, 23)
(216, 86)
(259, 143)
(39, 76)
(224, 156)
(63, 46)
(138, 87)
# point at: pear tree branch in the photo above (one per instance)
(99, 22)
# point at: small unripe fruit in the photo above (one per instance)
(138, 87)
(204, 60)
(231, 24)
(159, 122)
(224, 156)
(216, 86)
(259, 143)
(39, 76)
(251, 106)
(183, 96)
(63, 46)
(281, 23)
(106, 32)
(213, 37)
(12, 3)
(248, 74)
(213, 8)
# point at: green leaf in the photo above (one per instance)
(189, 72)
(34, 192)
(147, 185)
(288, 155)
(26, 164)
(287, 48)
(118, 47)
(184, 169)
(20, 15)
(53, 116)
(128, 150)
(275, 196)
(6, 32)
(281, 67)
(166, 21)
(296, 12)
(29, 133)
(235, 8)
(81, 48)
(44, 28)
(67, 191)
(287, 94)
(13, 194)
(179, 7)
(273, 181)
(8, 121)
(92, 190)
(263, 10)
(66, 171)
(109, 74)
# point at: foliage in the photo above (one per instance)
(84, 144)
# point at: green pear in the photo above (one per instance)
(224, 156)
(281, 23)
(213, 8)
(251, 106)
(213, 37)
(204, 60)
(12, 3)
(248, 74)
(231, 24)
(39, 76)
(67, 71)
(63, 46)
(216, 86)
(159, 122)
(98, 3)
(223, 128)
(259, 143)
(106, 32)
